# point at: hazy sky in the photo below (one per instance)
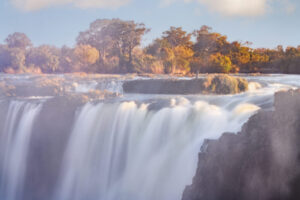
(266, 23)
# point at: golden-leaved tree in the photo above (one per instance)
(85, 57)
(115, 39)
(174, 50)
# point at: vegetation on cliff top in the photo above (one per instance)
(114, 46)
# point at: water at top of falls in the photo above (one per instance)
(132, 147)
(113, 83)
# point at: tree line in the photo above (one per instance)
(114, 46)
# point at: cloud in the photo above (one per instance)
(165, 3)
(237, 7)
(247, 8)
(32, 5)
(289, 7)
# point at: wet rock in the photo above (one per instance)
(49, 141)
(212, 84)
(261, 162)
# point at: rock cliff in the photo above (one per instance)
(261, 162)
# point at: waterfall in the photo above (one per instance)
(14, 147)
(126, 151)
(132, 147)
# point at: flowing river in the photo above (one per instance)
(126, 147)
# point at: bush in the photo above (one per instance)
(225, 84)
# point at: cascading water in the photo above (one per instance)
(124, 151)
(14, 148)
(135, 147)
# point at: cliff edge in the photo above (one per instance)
(261, 162)
(211, 84)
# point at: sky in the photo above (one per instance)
(265, 23)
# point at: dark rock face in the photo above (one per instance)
(261, 162)
(49, 140)
(212, 84)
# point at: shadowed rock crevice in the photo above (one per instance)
(48, 142)
(261, 162)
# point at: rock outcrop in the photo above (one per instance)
(261, 162)
(212, 84)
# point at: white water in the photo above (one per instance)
(128, 150)
(125, 152)
(14, 148)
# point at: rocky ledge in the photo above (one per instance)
(212, 84)
(261, 162)
(55, 87)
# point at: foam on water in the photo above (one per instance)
(124, 151)
(138, 147)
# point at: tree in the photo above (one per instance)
(4, 57)
(18, 40)
(168, 58)
(45, 57)
(208, 42)
(86, 56)
(292, 52)
(177, 37)
(220, 63)
(240, 55)
(155, 47)
(199, 65)
(174, 49)
(146, 63)
(126, 35)
(207, 45)
(114, 38)
(66, 58)
(183, 56)
(13, 58)
(96, 37)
